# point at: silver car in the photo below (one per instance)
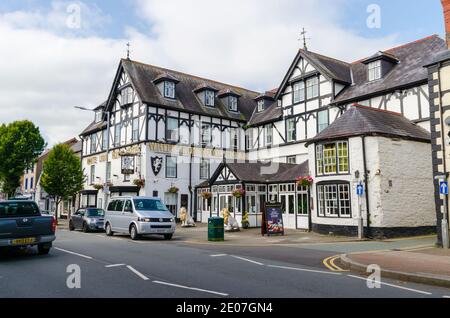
(139, 216)
(87, 219)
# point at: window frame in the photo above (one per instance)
(169, 87)
(168, 134)
(309, 88)
(269, 128)
(208, 166)
(134, 131)
(117, 135)
(297, 95)
(204, 142)
(292, 130)
(321, 158)
(290, 158)
(210, 97)
(260, 105)
(374, 70)
(92, 175)
(93, 143)
(172, 159)
(319, 130)
(233, 104)
(322, 206)
(105, 141)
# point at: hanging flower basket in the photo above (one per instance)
(206, 195)
(238, 193)
(139, 182)
(110, 184)
(173, 190)
(305, 181)
(98, 186)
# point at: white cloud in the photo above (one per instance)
(46, 69)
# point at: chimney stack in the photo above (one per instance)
(446, 7)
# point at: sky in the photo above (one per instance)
(57, 54)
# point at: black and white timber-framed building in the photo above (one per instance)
(177, 130)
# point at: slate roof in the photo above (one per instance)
(336, 69)
(412, 58)
(143, 75)
(410, 70)
(366, 121)
(93, 127)
(253, 172)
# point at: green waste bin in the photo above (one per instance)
(216, 231)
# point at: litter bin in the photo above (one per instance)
(216, 232)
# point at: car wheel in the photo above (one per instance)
(71, 227)
(134, 233)
(168, 236)
(85, 228)
(108, 230)
(43, 249)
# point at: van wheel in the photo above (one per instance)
(134, 233)
(168, 236)
(43, 249)
(71, 227)
(108, 230)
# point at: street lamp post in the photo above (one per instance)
(108, 129)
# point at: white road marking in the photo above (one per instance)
(218, 255)
(99, 235)
(137, 273)
(304, 270)
(191, 288)
(73, 253)
(247, 260)
(395, 286)
(114, 265)
(442, 296)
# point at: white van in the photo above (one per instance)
(139, 216)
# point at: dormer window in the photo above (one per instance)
(98, 116)
(209, 98)
(233, 103)
(169, 89)
(374, 70)
(260, 105)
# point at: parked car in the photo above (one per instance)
(22, 225)
(139, 216)
(88, 219)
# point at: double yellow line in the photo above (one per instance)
(329, 263)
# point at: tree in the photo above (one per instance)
(62, 174)
(21, 144)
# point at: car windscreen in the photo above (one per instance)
(149, 205)
(95, 212)
(18, 209)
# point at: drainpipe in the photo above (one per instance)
(366, 184)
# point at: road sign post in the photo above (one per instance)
(360, 193)
(443, 189)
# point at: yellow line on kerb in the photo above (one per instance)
(329, 263)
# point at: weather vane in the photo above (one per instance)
(128, 50)
(304, 38)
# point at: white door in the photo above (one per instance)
(302, 210)
(288, 208)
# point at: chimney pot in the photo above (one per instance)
(446, 8)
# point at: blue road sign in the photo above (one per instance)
(443, 187)
(360, 190)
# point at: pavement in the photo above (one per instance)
(152, 267)
(429, 265)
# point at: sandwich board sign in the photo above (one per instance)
(273, 219)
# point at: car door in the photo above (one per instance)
(120, 219)
(76, 218)
(111, 215)
(80, 218)
(127, 215)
